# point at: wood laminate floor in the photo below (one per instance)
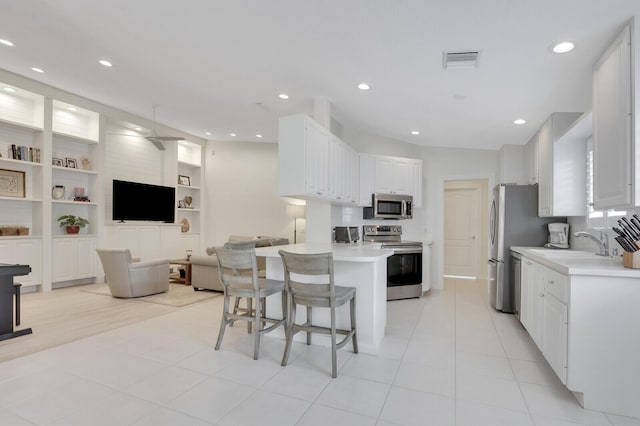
(68, 314)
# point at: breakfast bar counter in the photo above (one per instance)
(363, 266)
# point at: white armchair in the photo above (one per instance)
(133, 279)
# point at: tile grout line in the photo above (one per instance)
(488, 307)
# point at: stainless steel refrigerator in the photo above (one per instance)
(513, 221)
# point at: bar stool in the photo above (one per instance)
(310, 268)
(238, 271)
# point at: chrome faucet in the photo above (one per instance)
(602, 242)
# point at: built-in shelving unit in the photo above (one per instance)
(52, 143)
(189, 164)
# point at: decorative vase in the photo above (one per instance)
(57, 192)
(72, 229)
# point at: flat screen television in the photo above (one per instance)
(141, 201)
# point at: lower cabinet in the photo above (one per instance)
(148, 242)
(73, 258)
(544, 312)
(25, 251)
(531, 303)
(554, 335)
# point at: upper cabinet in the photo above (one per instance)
(531, 160)
(315, 163)
(390, 175)
(510, 163)
(561, 168)
(614, 141)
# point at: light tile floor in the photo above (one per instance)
(447, 359)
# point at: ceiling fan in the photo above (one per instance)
(153, 137)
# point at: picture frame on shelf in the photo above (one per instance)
(12, 183)
(72, 163)
(57, 162)
(182, 204)
(184, 180)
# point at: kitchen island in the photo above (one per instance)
(363, 266)
(582, 312)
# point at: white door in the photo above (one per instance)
(463, 227)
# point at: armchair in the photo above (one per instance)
(133, 279)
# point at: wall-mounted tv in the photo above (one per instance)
(141, 201)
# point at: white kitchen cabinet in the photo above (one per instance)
(73, 258)
(315, 163)
(416, 182)
(531, 160)
(393, 175)
(25, 251)
(561, 168)
(586, 338)
(554, 335)
(614, 176)
(367, 184)
(532, 293)
(390, 175)
(510, 164)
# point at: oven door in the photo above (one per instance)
(404, 267)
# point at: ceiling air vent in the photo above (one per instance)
(465, 59)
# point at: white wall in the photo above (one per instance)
(242, 193)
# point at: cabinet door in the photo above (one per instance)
(416, 183)
(65, 258)
(393, 175)
(531, 302)
(317, 160)
(367, 184)
(531, 160)
(383, 175)
(554, 335)
(85, 261)
(25, 252)
(403, 176)
(545, 169)
(612, 126)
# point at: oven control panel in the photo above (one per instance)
(372, 230)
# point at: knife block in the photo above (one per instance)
(631, 260)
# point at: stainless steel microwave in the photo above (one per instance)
(389, 206)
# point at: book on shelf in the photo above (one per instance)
(23, 153)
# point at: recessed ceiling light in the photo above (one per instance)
(70, 108)
(106, 63)
(9, 89)
(364, 86)
(415, 132)
(563, 47)
(6, 42)
(519, 121)
(37, 69)
(233, 134)
(258, 136)
(207, 133)
(283, 96)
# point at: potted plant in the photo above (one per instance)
(72, 223)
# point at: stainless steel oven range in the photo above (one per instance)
(404, 268)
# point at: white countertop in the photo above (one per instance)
(361, 252)
(575, 262)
